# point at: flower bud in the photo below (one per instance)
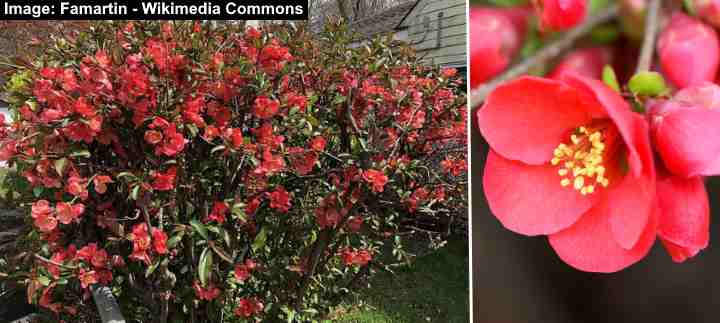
(689, 51)
(587, 62)
(708, 10)
(493, 41)
(559, 15)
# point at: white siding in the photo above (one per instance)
(438, 31)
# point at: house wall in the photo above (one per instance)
(437, 29)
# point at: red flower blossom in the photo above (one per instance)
(87, 278)
(560, 15)
(682, 127)
(296, 100)
(456, 167)
(270, 164)
(318, 144)
(164, 181)
(101, 182)
(584, 160)
(67, 212)
(265, 107)
(376, 178)
(208, 294)
(43, 215)
(141, 243)
(153, 137)
(588, 62)
(173, 143)
(356, 257)
(249, 307)
(355, 223)
(235, 136)
(280, 199)
(689, 51)
(219, 211)
(419, 196)
(159, 240)
(77, 186)
(243, 271)
(93, 255)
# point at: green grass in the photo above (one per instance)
(433, 289)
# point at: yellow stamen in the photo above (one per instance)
(581, 161)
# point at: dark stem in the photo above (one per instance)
(550, 51)
(648, 45)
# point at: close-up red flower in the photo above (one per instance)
(574, 149)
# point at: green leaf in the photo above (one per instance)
(37, 191)
(608, 76)
(218, 148)
(172, 242)
(135, 192)
(260, 240)
(647, 84)
(205, 266)
(199, 228)
(60, 165)
(43, 280)
(81, 153)
(151, 269)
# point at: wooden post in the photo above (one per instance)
(107, 306)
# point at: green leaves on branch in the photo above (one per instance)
(608, 76)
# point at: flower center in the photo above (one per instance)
(582, 161)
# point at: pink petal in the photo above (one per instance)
(529, 199)
(687, 139)
(632, 204)
(527, 118)
(632, 126)
(684, 212)
(589, 244)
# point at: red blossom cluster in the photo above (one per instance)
(176, 144)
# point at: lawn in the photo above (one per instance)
(433, 289)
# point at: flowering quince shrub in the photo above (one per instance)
(613, 168)
(212, 171)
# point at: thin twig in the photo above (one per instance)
(554, 49)
(648, 46)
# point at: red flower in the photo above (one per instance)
(219, 211)
(280, 199)
(210, 293)
(708, 10)
(67, 212)
(304, 162)
(93, 255)
(570, 159)
(235, 136)
(318, 144)
(164, 181)
(376, 178)
(689, 51)
(456, 167)
(249, 307)
(355, 223)
(561, 14)
(356, 257)
(153, 137)
(265, 107)
(588, 62)
(271, 164)
(100, 183)
(159, 240)
(87, 278)
(683, 130)
(42, 213)
(243, 271)
(77, 186)
(141, 243)
(296, 100)
(173, 144)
